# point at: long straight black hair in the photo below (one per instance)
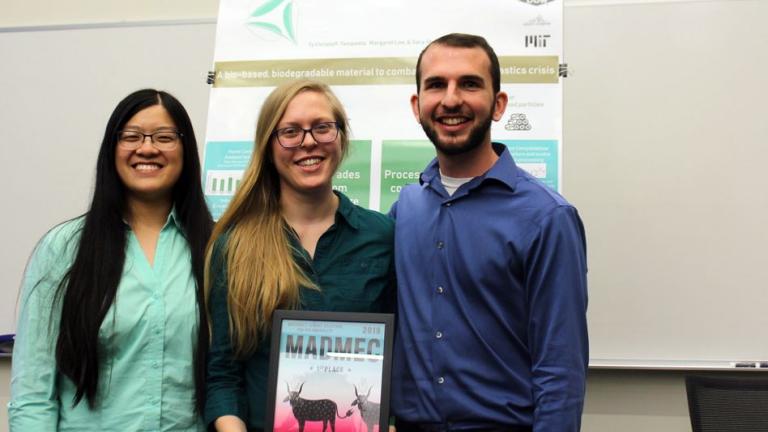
(89, 287)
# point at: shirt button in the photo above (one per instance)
(447, 204)
(439, 335)
(440, 290)
(440, 380)
(440, 244)
(155, 364)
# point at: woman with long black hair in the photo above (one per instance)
(111, 335)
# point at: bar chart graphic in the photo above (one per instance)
(222, 182)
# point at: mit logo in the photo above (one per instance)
(536, 41)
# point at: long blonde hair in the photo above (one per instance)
(262, 274)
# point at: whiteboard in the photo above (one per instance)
(57, 91)
(665, 138)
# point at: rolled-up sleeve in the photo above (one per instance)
(224, 388)
(557, 287)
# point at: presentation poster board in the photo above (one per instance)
(367, 51)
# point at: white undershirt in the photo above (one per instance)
(452, 183)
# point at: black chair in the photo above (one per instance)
(728, 403)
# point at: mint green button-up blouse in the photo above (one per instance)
(146, 342)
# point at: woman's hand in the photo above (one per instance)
(230, 423)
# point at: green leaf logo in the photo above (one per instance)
(276, 17)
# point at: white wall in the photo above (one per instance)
(627, 401)
(635, 401)
(5, 392)
(47, 13)
(43, 14)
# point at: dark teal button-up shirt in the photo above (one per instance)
(353, 266)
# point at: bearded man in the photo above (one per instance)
(491, 268)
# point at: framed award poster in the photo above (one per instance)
(329, 371)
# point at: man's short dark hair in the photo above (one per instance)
(461, 40)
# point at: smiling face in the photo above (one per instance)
(309, 168)
(456, 101)
(146, 172)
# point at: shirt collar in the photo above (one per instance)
(171, 220)
(347, 211)
(503, 170)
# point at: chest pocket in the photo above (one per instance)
(353, 284)
(359, 266)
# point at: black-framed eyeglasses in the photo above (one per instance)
(293, 136)
(161, 140)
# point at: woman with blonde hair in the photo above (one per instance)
(287, 241)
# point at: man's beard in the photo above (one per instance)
(474, 140)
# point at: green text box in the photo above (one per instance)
(401, 163)
(353, 177)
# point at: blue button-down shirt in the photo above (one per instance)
(492, 297)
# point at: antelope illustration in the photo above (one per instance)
(369, 411)
(305, 410)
